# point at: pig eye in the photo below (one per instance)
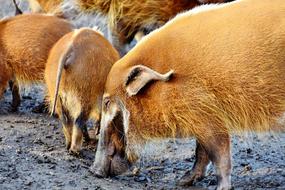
(107, 103)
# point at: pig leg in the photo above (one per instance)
(16, 98)
(41, 108)
(198, 171)
(218, 149)
(67, 122)
(78, 131)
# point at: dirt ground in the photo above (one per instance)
(33, 155)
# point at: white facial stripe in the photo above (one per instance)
(105, 120)
(126, 117)
(108, 116)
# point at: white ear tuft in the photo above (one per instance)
(140, 75)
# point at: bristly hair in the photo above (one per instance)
(102, 6)
(134, 15)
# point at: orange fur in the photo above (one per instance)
(46, 6)
(97, 6)
(85, 58)
(25, 41)
(127, 17)
(228, 78)
(222, 78)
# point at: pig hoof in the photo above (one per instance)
(67, 146)
(96, 172)
(74, 153)
(13, 109)
(190, 178)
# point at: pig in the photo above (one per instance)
(25, 42)
(125, 18)
(75, 75)
(207, 81)
(46, 6)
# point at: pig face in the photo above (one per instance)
(113, 156)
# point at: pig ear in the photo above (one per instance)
(69, 58)
(140, 75)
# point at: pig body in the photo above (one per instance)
(224, 76)
(75, 76)
(25, 42)
(126, 18)
(45, 6)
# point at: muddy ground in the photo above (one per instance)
(33, 155)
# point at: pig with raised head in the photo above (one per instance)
(75, 75)
(205, 80)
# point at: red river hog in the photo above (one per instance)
(204, 80)
(75, 75)
(124, 18)
(25, 42)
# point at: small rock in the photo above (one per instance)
(248, 150)
(28, 183)
(148, 180)
(72, 183)
(136, 171)
(19, 151)
(49, 136)
(38, 141)
(52, 167)
(244, 164)
(140, 179)
(191, 159)
(247, 168)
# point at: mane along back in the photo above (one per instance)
(50, 6)
(101, 6)
(133, 15)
